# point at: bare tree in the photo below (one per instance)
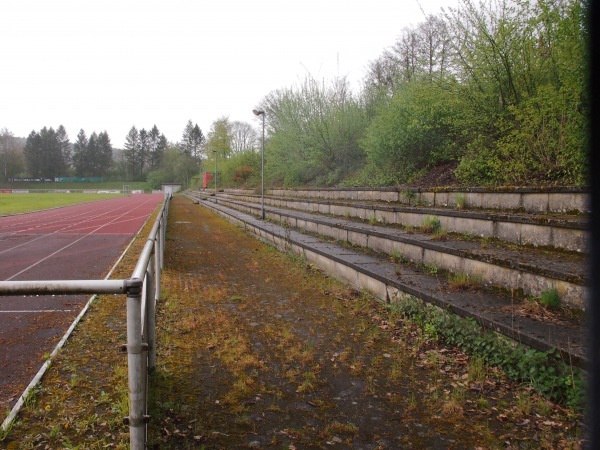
(244, 137)
(433, 47)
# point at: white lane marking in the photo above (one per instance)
(111, 222)
(87, 219)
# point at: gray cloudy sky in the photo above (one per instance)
(111, 64)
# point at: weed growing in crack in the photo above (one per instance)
(453, 407)
(396, 370)
(483, 403)
(477, 369)
(397, 257)
(431, 225)
(309, 382)
(411, 402)
(340, 428)
(463, 281)
(524, 405)
(32, 396)
(431, 269)
(550, 298)
(460, 200)
(410, 196)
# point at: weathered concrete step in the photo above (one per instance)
(559, 199)
(529, 270)
(380, 277)
(567, 232)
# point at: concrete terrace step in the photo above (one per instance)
(567, 232)
(557, 200)
(530, 270)
(378, 275)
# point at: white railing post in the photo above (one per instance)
(163, 237)
(158, 252)
(135, 361)
(151, 316)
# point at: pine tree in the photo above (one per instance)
(158, 144)
(132, 146)
(144, 150)
(33, 154)
(80, 154)
(192, 141)
(105, 153)
(91, 154)
(65, 148)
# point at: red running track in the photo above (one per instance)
(71, 243)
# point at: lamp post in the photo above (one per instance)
(260, 112)
(215, 152)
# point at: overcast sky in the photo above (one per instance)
(110, 64)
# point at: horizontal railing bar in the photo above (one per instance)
(62, 287)
(140, 268)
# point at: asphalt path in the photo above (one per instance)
(79, 242)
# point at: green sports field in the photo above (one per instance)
(22, 203)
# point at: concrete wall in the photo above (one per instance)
(559, 201)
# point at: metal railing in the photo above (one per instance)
(143, 291)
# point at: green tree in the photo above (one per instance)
(176, 167)
(43, 154)
(418, 128)
(65, 148)
(104, 158)
(11, 155)
(33, 154)
(131, 152)
(314, 132)
(219, 140)
(143, 153)
(158, 144)
(80, 161)
(497, 84)
(522, 67)
(91, 156)
(192, 141)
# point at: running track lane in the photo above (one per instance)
(74, 242)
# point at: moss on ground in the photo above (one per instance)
(257, 349)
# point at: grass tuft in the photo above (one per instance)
(550, 298)
(431, 224)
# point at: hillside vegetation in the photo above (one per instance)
(496, 87)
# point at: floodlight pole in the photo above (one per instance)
(262, 165)
(215, 152)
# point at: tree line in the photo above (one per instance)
(495, 87)
(49, 154)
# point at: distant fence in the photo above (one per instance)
(143, 292)
(125, 190)
(57, 180)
